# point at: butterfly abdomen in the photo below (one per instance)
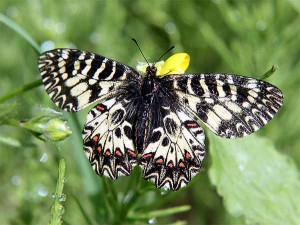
(150, 92)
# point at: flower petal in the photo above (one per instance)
(176, 64)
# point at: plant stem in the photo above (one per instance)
(57, 209)
(19, 90)
(160, 212)
(132, 194)
(89, 182)
(269, 72)
(15, 27)
(111, 200)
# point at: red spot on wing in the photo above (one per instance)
(149, 155)
(99, 148)
(130, 152)
(170, 165)
(191, 124)
(159, 161)
(107, 152)
(101, 108)
(181, 165)
(187, 155)
(96, 138)
(118, 152)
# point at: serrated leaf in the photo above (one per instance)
(255, 180)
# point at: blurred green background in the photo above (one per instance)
(239, 37)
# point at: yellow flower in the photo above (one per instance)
(176, 64)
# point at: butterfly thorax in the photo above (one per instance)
(150, 84)
(143, 127)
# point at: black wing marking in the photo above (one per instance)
(74, 79)
(176, 150)
(107, 138)
(231, 106)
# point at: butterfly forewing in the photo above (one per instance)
(231, 106)
(74, 79)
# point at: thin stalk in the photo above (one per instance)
(160, 212)
(15, 27)
(57, 209)
(269, 72)
(20, 90)
(84, 212)
(132, 196)
(89, 182)
(110, 198)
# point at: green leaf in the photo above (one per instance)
(255, 180)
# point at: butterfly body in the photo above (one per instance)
(152, 121)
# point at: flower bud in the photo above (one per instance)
(48, 128)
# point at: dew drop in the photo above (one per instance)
(95, 37)
(61, 210)
(60, 27)
(237, 14)
(164, 191)
(241, 168)
(16, 180)
(54, 195)
(261, 25)
(170, 28)
(48, 23)
(152, 221)
(44, 158)
(12, 11)
(62, 198)
(47, 45)
(42, 191)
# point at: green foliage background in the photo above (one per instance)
(252, 180)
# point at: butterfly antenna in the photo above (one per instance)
(140, 50)
(164, 54)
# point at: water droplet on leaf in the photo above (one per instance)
(62, 198)
(152, 221)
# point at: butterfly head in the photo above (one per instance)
(151, 71)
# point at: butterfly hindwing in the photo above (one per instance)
(74, 79)
(107, 138)
(175, 152)
(231, 106)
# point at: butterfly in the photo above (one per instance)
(153, 121)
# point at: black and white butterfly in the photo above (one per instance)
(152, 121)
